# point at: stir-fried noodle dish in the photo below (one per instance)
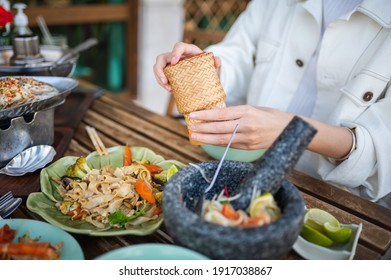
(113, 197)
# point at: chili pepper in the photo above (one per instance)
(144, 191)
(127, 156)
(226, 192)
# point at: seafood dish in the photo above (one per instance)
(15, 91)
(26, 247)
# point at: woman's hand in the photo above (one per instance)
(258, 127)
(179, 51)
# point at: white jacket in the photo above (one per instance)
(260, 67)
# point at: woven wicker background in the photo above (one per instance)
(207, 21)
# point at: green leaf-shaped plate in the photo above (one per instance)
(43, 203)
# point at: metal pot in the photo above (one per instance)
(45, 68)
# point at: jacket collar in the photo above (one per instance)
(378, 10)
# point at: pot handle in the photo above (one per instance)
(55, 69)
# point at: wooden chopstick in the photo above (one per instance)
(96, 141)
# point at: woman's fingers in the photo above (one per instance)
(161, 62)
(183, 50)
(222, 114)
(180, 50)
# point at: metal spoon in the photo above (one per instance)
(29, 160)
(75, 51)
(200, 203)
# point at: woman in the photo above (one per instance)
(327, 61)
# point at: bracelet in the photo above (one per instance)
(351, 130)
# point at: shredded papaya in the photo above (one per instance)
(127, 156)
(153, 168)
(144, 191)
(229, 212)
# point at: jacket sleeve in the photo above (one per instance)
(237, 52)
(367, 172)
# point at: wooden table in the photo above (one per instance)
(119, 121)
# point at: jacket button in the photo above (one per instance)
(367, 96)
(299, 62)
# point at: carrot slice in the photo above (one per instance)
(143, 190)
(153, 168)
(229, 212)
(127, 156)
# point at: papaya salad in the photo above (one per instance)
(113, 197)
(262, 210)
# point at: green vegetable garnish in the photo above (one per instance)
(119, 217)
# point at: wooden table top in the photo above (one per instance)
(119, 121)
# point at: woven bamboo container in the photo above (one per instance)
(195, 86)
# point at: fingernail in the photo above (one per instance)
(193, 127)
(168, 88)
(163, 80)
(193, 115)
(193, 136)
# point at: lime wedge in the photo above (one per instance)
(264, 205)
(171, 171)
(338, 234)
(316, 218)
(316, 237)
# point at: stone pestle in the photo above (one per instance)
(272, 168)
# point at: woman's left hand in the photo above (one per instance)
(258, 126)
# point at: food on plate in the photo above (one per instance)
(322, 228)
(262, 210)
(15, 91)
(26, 248)
(195, 86)
(109, 197)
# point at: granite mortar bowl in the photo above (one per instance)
(273, 241)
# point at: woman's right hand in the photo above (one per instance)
(179, 51)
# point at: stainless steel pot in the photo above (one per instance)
(26, 131)
(45, 68)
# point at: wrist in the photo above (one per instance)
(353, 146)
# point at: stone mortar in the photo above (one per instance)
(273, 241)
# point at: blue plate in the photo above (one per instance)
(70, 250)
(152, 251)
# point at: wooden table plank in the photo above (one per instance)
(361, 207)
(165, 122)
(145, 129)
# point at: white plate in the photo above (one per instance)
(345, 251)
